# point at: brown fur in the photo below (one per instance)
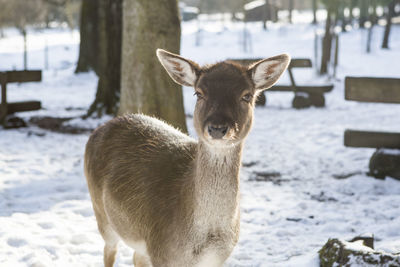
(173, 199)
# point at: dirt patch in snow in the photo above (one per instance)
(56, 124)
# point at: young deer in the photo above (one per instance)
(173, 199)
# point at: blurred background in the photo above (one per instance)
(323, 157)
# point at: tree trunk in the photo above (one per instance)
(390, 13)
(326, 43)
(341, 17)
(336, 57)
(266, 15)
(88, 48)
(109, 57)
(372, 19)
(314, 8)
(145, 85)
(290, 11)
(353, 4)
(374, 15)
(369, 38)
(363, 13)
(25, 49)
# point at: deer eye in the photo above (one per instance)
(247, 97)
(198, 94)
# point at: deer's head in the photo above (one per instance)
(226, 93)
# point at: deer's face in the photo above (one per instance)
(225, 101)
(226, 93)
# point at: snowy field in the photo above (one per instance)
(316, 187)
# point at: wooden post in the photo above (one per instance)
(316, 40)
(372, 21)
(353, 4)
(326, 43)
(363, 13)
(46, 55)
(292, 80)
(25, 50)
(290, 11)
(389, 15)
(266, 14)
(3, 106)
(336, 58)
(314, 7)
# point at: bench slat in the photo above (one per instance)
(353, 138)
(23, 106)
(20, 76)
(294, 63)
(300, 63)
(245, 61)
(308, 89)
(378, 90)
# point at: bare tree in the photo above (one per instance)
(88, 47)
(373, 20)
(363, 13)
(145, 86)
(20, 14)
(331, 6)
(100, 50)
(109, 27)
(266, 13)
(314, 8)
(290, 11)
(353, 4)
(389, 16)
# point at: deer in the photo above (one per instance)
(174, 199)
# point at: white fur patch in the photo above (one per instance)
(139, 246)
(209, 259)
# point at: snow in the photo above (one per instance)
(317, 188)
(372, 254)
(254, 4)
(357, 246)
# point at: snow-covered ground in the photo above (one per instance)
(46, 218)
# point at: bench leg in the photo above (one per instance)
(3, 104)
(305, 100)
(317, 100)
(301, 100)
(383, 163)
(3, 113)
(261, 99)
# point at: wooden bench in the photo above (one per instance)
(305, 95)
(17, 77)
(378, 90)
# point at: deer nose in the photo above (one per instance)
(217, 131)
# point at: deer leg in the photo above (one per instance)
(109, 255)
(111, 238)
(110, 249)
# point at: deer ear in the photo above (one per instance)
(265, 73)
(181, 70)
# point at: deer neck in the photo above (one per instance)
(216, 184)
